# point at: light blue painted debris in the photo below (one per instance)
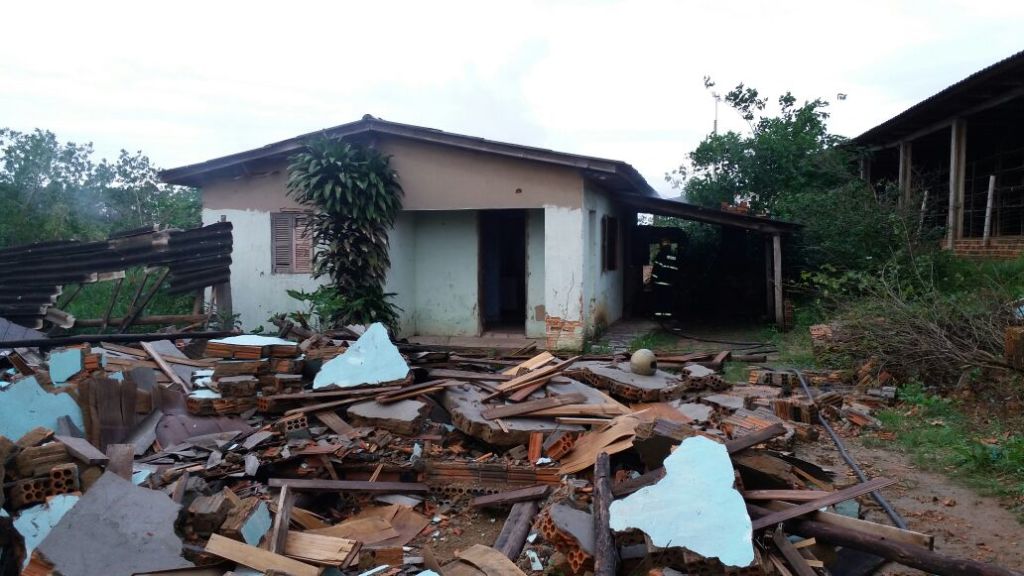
(535, 563)
(205, 393)
(34, 524)
(428, 573)
(694, 506)
(64, 364)
(257, 525)
(140, 476)
(24, 405)
(372, 359)
(377, 570)
(119, 376)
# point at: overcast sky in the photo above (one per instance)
(188, 81)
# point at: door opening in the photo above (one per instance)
(503, 270)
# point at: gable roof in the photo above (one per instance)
(990, 86)
(611, 174)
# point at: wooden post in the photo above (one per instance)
(780, 313)
(988, 208)
(904, 173)
(769, 290)
(924, 210)
(957, 161)
(606, 557)
(222, 293)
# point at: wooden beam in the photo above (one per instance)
(797, 562)
(165, 367)
(512, 496)
(606, 556)
(780, 313)
(517, 526)
(257, 558)
(348, 485)
(832, 498)
(988, 209)
(533, 405)
(905, 172)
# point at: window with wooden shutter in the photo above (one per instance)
(290, 244)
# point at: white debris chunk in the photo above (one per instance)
(372, 359)
(694, 506)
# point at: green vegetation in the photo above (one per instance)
(51, 190)
(938, 434)
(355, 197)
(655, 340)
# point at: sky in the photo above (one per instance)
(188, 81)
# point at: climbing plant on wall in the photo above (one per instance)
(354, 196)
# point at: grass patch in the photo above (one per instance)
(655, 340)
(938, 435)
(93, 300)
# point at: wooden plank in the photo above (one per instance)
(531, 364)
(512, 496)
(413, 391)
(750, 440)
(533, 405)
(606, 556)
(256, 558)
(489, 561)
(832, 498)
(512, 538)
(348, 485)
(536, 447)
(331, 419)
(786, 495)
(882, 530)
(165, 367)
(797, 562)
(367, 530)
(82, 450)
(320, 549)
(279, 529)
(121, 459)
(530, 377)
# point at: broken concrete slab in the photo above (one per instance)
(620, 382)
(698, 483)
(35, 523)
(403, 417)
(699, 413)
(116, 529)
(24, 405)
(465, 403)
(578, 524)
(726, 401)
(698, 371)
(372, 359)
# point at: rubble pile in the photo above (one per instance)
(308, 454)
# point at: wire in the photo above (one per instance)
(889, 510)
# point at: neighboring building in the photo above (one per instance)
(953, 152)
(492, 238)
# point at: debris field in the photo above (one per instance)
(347, 453)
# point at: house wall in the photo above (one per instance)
(435, 244)
(447, 267)
(603, 290)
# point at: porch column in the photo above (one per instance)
(780, 314)
(904, 174)
(957, 171)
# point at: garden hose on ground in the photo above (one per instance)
(893, 514)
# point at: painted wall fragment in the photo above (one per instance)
(24, 405)
(34, 524)
(694, 506)
(372, 359)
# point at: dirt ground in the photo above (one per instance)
(963, 522)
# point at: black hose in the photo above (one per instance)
(892, 513)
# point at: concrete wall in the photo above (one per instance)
(257, 294)
(603, 290)
(536, 308)
(435, 244)
(447, 264)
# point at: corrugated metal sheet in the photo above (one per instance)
(32, 276)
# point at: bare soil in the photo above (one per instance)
(964, 523)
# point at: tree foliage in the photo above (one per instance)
(355, 197)
(52, 190)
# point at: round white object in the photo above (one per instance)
(643, 362)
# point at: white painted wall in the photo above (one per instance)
(603, 290)
(256, 293)
(447, 265)
(535, 303)
(563, 271)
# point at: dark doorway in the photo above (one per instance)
(503, 270)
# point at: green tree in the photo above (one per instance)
(355, 197)
(51, 190)
(789, 166)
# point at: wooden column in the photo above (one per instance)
(904, 173)
(988, 208)
(780, 313)
(957, 171)
(769, 282)
(222, 294)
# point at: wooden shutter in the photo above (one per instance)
(303, 254)
(281, 243)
